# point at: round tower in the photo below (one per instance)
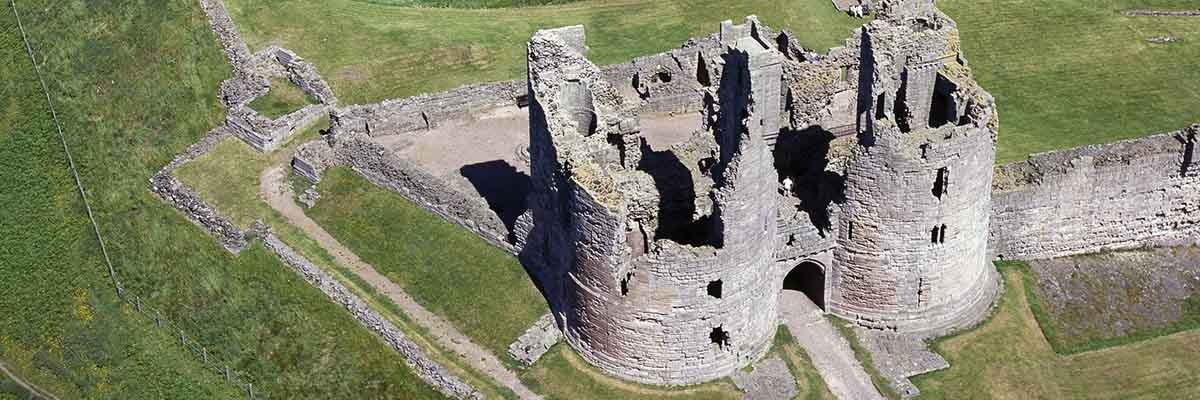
(632, 298)
(912, 245)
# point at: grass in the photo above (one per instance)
(283, 98)
(562, 374)
(371, 52)
(881, 383)
(1067, 344)
(1067, 73)
(470, 3)
(11, 390)
(135, 83)
(1008, 358)
(809, 384)
(61, 325)
(482, 290)
(228, 178)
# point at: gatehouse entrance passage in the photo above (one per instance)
(807, 278)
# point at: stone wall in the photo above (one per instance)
(1128, 194)
(428, 370)
(386, 170)
(188, 202)
(425, 111)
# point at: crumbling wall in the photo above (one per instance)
(427, 110)
(1122, 195)
(385, 169)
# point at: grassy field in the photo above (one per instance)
(283, 98)
(369, 52)
(61, 324)
(228, 178)
(1072, 72)
(562, 374)
(1008, 358)
(136, 83)
(480, 289)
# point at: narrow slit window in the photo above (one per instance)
(625, 283)
(942, 235)
(941, 182)
(933, 235)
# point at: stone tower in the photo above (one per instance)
(632, 299)
(912, 245)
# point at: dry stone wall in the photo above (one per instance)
(431, 372)
(1128, 194)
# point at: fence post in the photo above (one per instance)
(158, 319)
(204, 353)
(250, 390)
(226, 374)
(137, 303)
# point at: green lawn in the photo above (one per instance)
(1067, 73)
(479, 288)
(283, 98)
(136, 83)
(370, 52)
(1008, 358)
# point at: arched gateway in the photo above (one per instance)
(809, 278)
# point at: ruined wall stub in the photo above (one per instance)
(642, 307)
(912, 252)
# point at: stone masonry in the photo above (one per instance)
(1129, 194)
(664, 278)
(862, 176)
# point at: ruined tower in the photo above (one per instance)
(912, 245)
(632, 298)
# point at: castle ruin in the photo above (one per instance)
(665, 266)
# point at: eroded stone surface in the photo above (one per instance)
(899, 356)
(536, 340)
(769, 380)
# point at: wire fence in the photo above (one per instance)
(221, 368)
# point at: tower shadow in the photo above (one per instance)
(503, 187)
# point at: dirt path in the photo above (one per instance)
(38, 393)
(279, 196)
(830, 352)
